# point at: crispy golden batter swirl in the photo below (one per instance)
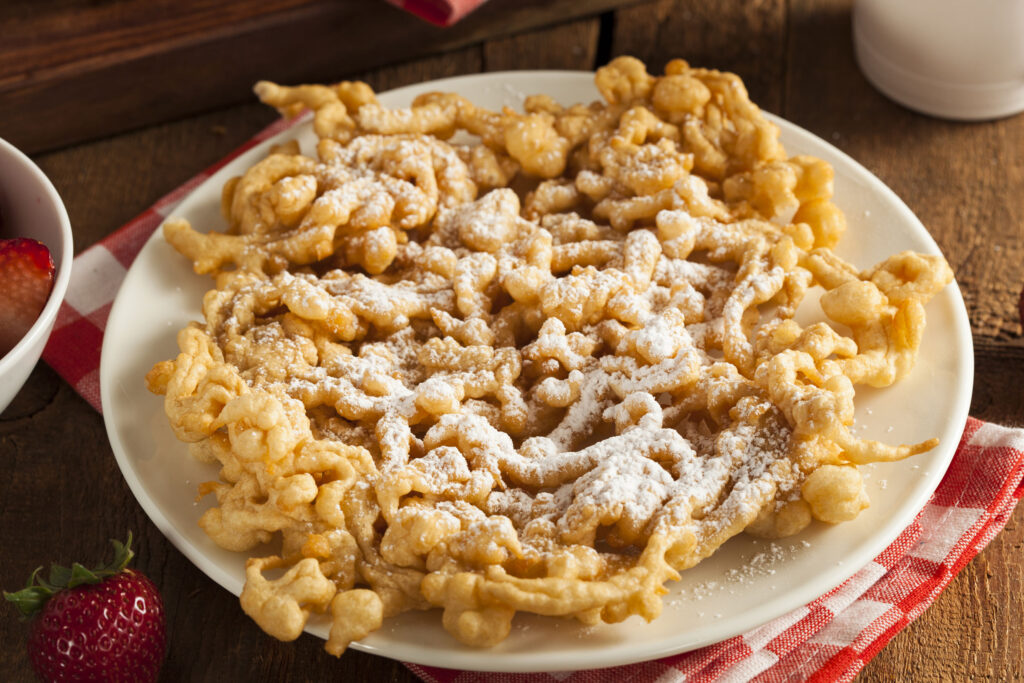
(545, 370)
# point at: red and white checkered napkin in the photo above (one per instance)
(440, 12)
(832, 638)
(829, 639)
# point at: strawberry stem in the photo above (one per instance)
(30, 599)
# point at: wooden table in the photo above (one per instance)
(64, 495)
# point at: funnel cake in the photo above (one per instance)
(492, 361)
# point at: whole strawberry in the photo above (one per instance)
(26, 278)
(102, 624)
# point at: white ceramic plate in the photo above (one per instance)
(745, 584)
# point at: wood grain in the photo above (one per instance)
(63, 495)
(129, 63)
(571, 46)
(92, 35)
(747, 38)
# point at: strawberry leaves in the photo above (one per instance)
(30, 600)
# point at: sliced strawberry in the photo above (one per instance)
(26, 278)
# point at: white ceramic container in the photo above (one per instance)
(32, 208)
(956, 59)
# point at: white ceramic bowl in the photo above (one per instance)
(32, 208)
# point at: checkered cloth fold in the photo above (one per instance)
(829, 639)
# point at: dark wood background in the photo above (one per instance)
(123, 100)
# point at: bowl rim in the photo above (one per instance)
(41, 328)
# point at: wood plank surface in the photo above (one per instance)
(129, 63)
(63, 494)
(571, 46)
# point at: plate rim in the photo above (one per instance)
(485, 660)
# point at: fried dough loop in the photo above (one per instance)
(430, 389)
